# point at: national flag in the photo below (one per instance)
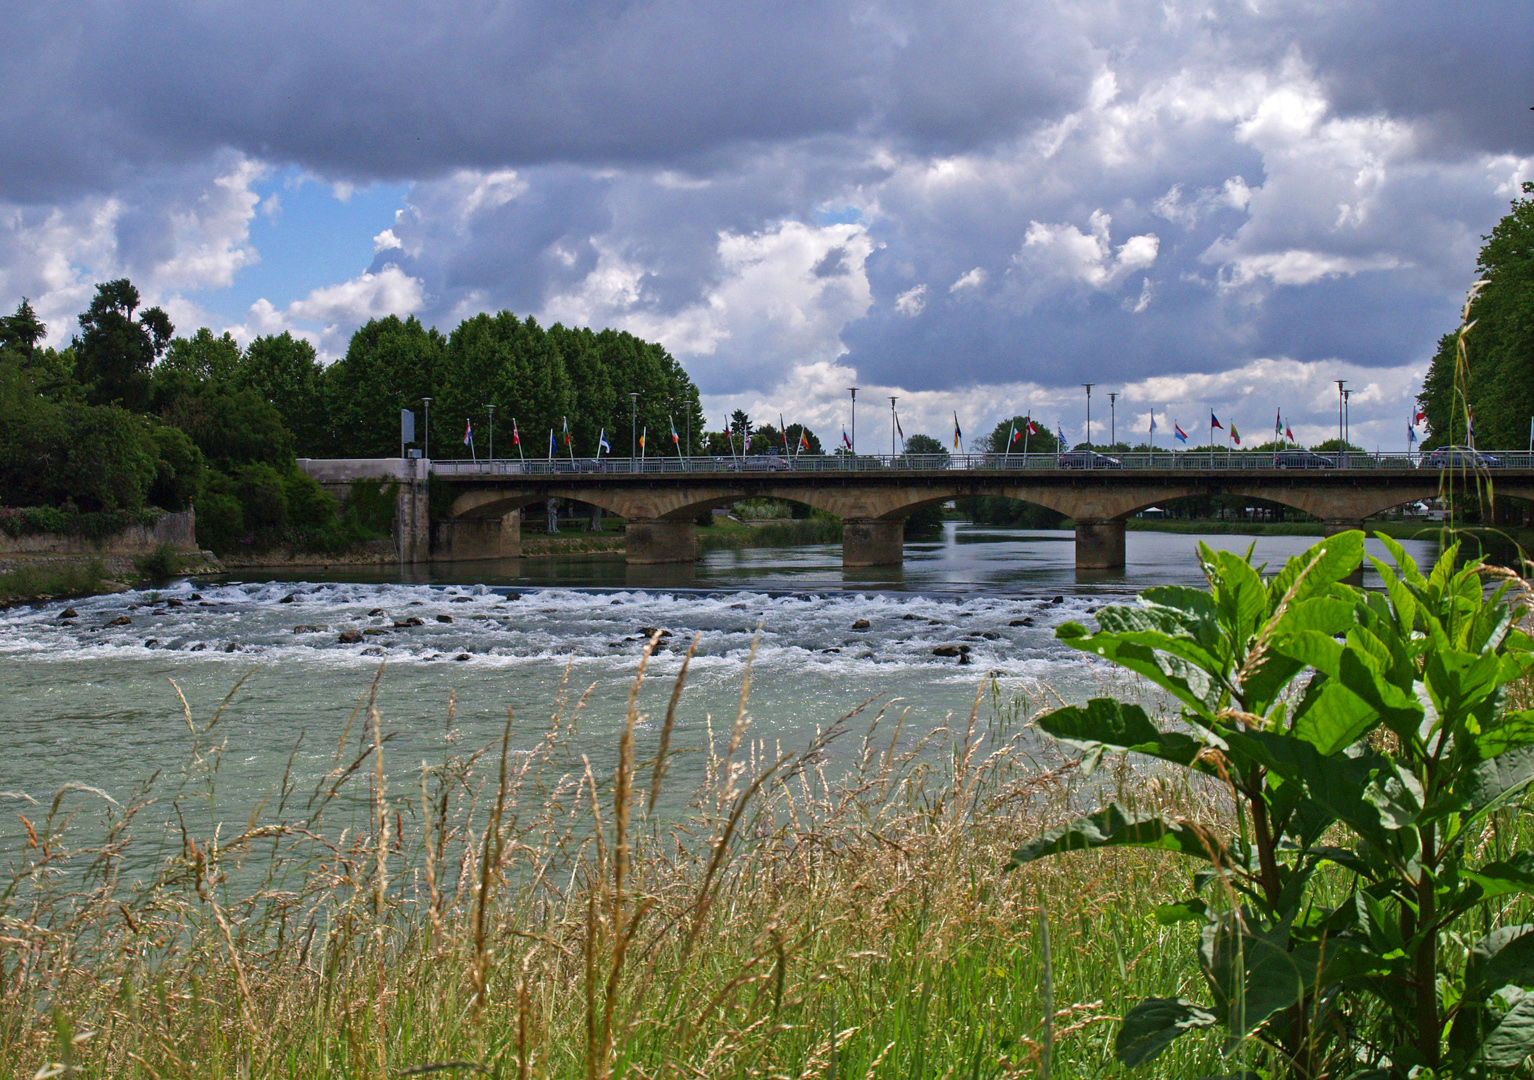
(1033, 428)
(1411, 434)
(1421, 416)
(1178, 432)
(1214, 421)
(602, 442)
(804, 440)
(642, 433)
(1235, 436)
(1012, 435)
(566, 431)
(675, 438)
(898, 428)
(1278, 423)
(1153, 422)
(783, 429)
(1288, 434)
(516, 436)
(468, 432)
(1060, 433)
(551, 444)
(957, 434)
(846, 441)
(1469, 426)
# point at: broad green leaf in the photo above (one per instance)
(1503, 957)
(1110, 827)
(1406, 566)
(1359, 671)
(1189, 909)
(1336, 782)
(1513, 731)
(1252, 976)
(1331, 717)
(1118, 726)
(1239, 596)
(1339, 555)
(1512, 1039)
(1154, 1024)
(1493, 782)
(1184, 681)
(1326, 615)
(1313, 648)
(1515, 875)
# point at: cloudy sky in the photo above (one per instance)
(973, 205)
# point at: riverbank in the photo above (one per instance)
(44, 578)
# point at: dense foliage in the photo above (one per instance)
(1500, 345)
(130, 416)
(1366, 744)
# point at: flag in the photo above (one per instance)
(1411, 434)
(516, 436)
(1421, 416)
(551, 444)
(468, 432)
(898, 428)
(804, 440)
(1178, 432)
(1033, 428)
(642, 433)
(565, 431)
(1235, 436)
(846, 441)
(1288, 434)
(782, 427)
(957, 434)
(1469, 426)
(1153, 422)
(1278, 423)
(602, 442)
(675, 438)
(1012, 435)
(1214, 421)
(1060, 432)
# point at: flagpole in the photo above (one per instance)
(518, 436)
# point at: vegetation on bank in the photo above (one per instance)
(79, 577)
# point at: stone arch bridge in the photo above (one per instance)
(479, 504)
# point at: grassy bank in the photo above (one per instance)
(771, 532)
(838, 911)
(56, 581)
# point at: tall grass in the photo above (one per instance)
(71, 578)
(835, 910)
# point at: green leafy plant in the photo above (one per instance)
(1366, 745)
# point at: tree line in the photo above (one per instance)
(128, 415)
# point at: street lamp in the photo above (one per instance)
(492, 431)
(853, 390)
(893, 451)
(1113, 438)
(633, 425)
(426, 441)
(1089, 415)
(1341, 439)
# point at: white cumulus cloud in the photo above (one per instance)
(1088, 257)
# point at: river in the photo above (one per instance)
(92, 702)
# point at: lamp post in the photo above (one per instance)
(893, 451)
(1113, 437)
(853, 390)
(426, 442)
(1347, 419)
(1341, 440)
(1089, 417)
(633, 426)
(492, 431)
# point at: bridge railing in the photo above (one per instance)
(1199, 460)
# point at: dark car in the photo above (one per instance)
(759, 462)
(1458, 457)
(1303, 459)
(1088, 459)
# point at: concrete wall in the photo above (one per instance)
(177, 530)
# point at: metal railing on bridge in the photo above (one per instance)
(1074, 460)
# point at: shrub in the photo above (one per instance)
(163, 562)
(220, 522)
(1388, 762)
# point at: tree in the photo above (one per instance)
(1500, 345)
(115, 351)
(285, 373)
(391, 364)
(513, 364)
(1011, 436)
(201, 358)
(22, 331)
(924, 444)
(798, 436)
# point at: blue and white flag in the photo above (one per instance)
(1153, 422)
(602, 442)
(1411, 434)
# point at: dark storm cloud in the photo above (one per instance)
(364, 89)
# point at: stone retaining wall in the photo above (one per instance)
(177, 530)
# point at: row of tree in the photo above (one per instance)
(129, 415)
(1497, 387)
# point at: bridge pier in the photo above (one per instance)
(465, 538)
(412, 517)
(873, 543)
(657, 541)
(1100, 545)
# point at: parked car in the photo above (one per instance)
(1088, 459)
(1458, 457)
(1303, 459)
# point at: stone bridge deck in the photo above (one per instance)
(482, 518)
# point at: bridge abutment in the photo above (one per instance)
(1100, 545)
(650, 542)
(873, 543)
(412, 518)
(462, 539)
